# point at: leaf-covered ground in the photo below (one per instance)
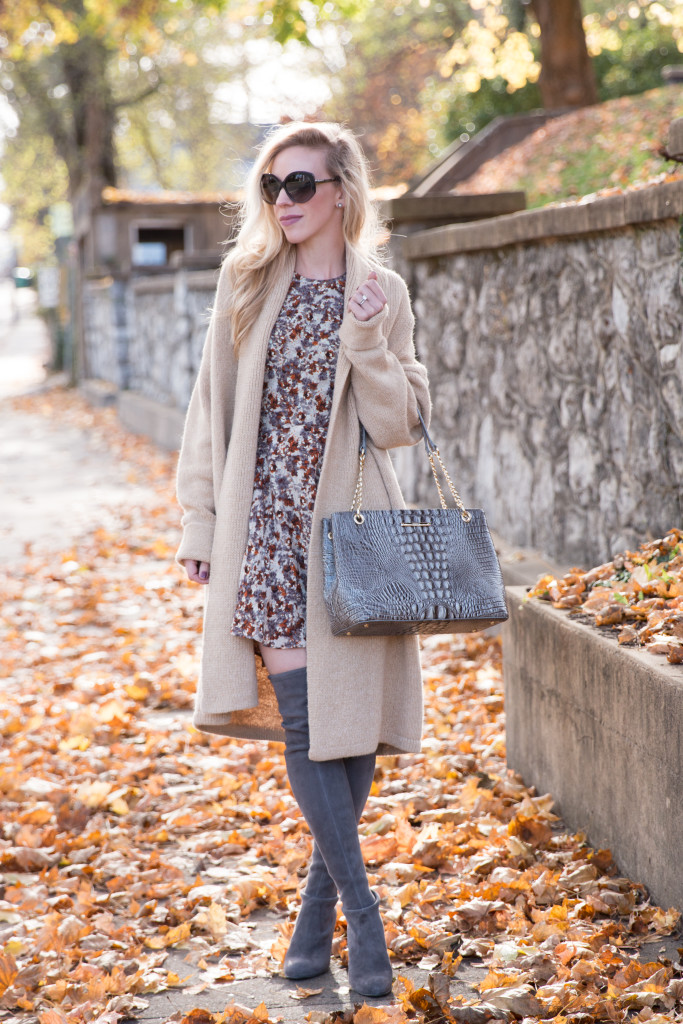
(638, 596)
(125, 838)
(603, 148)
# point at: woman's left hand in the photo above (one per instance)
(368, 300)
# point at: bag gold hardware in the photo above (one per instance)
(432, 454)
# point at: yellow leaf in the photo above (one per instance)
(174, 980)
(94, 794)
(8, 971)
(136, 692)
(178, 934)
(213, 920)
(379, 1015)
(75, 743)
(110, 710)
(498, 979)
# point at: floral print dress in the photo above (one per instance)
(295, 413)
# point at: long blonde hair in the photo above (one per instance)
(261, 249)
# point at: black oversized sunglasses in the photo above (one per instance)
(299, 186)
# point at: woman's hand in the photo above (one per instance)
(368, 300)
(198, 572)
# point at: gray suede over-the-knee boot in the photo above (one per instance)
(329, 795)
(360, 771)
(310, 947)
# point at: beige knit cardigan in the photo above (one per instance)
(364, 694)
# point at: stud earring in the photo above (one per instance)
(340, 206)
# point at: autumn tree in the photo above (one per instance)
(390, 55)
(421, 74)
(63, 61)
(34, 180)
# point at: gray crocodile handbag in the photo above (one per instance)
(391, 571)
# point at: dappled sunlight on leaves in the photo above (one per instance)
(597, 150)
(638, 595)
(127, 836)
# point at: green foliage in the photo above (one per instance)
(177, 135)
(420, 75)
(636, 66)
(292, 20)
(34, 178)
(473, 111)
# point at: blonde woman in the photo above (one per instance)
(310, 335)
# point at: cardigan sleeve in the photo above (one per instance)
(194, 481)
(388, 382)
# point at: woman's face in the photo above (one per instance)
(320, 218)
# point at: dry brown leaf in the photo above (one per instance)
(379, 1015)
(198, 1016)
(304, 993)
(519, 1000)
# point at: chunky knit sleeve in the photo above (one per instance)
(388, 382)
(206, 433)
(194, 484)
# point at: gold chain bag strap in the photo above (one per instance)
(391, 571)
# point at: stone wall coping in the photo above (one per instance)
(448, 207)
(202, 280)
(604, 213)
(655, 666)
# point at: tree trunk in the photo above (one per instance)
(567, 77)
(91, 155)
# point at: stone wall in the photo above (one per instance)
(556, 368)
(104, 331)
(146, 335)
(169, 317)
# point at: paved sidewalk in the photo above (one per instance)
(24, 343)
(58, 482)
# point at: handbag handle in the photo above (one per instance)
(433, 455)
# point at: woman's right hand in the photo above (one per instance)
(198, 572)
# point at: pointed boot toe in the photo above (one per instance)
(311, 945)
(369, 965)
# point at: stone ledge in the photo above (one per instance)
(160, 423)
(601, 728)
(448, 208)
(523, 567)
(196, 279)
(98, 392)
(639, 206)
